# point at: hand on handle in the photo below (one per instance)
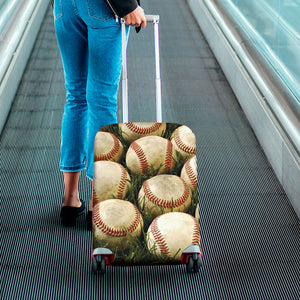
(136, 18)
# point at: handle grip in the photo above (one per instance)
(149, 18)
(152, 18)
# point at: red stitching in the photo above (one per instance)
(191, 174)
(165, 203)
(112, 231)
(112, 152)
(136, 129)
(169, 158)
(141, 156)
(159, 239)
(121, 187)
(182, 146)
(123, 181)
(196, 233)
(95, 197)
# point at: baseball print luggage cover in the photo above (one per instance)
(145, 196)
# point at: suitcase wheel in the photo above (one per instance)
(98, 264)
(101, 258)
(194, 263)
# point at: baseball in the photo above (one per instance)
(184, 141)
(197, 213)
(115, 223)
(150, 152)
(164, 193)
(134, 131)
(189, 172)
(170, 234)
(107, 147)
(111, 180)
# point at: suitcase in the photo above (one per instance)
(145, 196)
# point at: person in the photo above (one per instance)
(90, 44)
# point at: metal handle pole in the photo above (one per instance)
(157, 72)
(124, 74)
(155, 20)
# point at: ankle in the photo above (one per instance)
(71, 201)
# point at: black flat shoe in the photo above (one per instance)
(69, 214)
(89, 220)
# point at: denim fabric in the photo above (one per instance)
(89, 40)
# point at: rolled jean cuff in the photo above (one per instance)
(73, 169)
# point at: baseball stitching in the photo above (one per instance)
(136, 129)
(169, 158)
(182, 146)
(95, 197)
(190, 173)
(159, 239)
(196, 233)
(113, 231)
(112, 152)
(122, 184)
(141, 156)
(164, 203)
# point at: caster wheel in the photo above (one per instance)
(190, 265)
(98, 264)
(102, 266)
(94, 265)
(197, 264)
(194, 263)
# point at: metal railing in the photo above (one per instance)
(19, 24)
(281, 96)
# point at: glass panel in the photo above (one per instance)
(7, 8)
(273, 27)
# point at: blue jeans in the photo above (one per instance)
(89, 40)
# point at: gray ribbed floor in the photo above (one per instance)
(249, 231)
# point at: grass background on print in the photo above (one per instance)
(137, 252)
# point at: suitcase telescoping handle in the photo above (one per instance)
(155, 20)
